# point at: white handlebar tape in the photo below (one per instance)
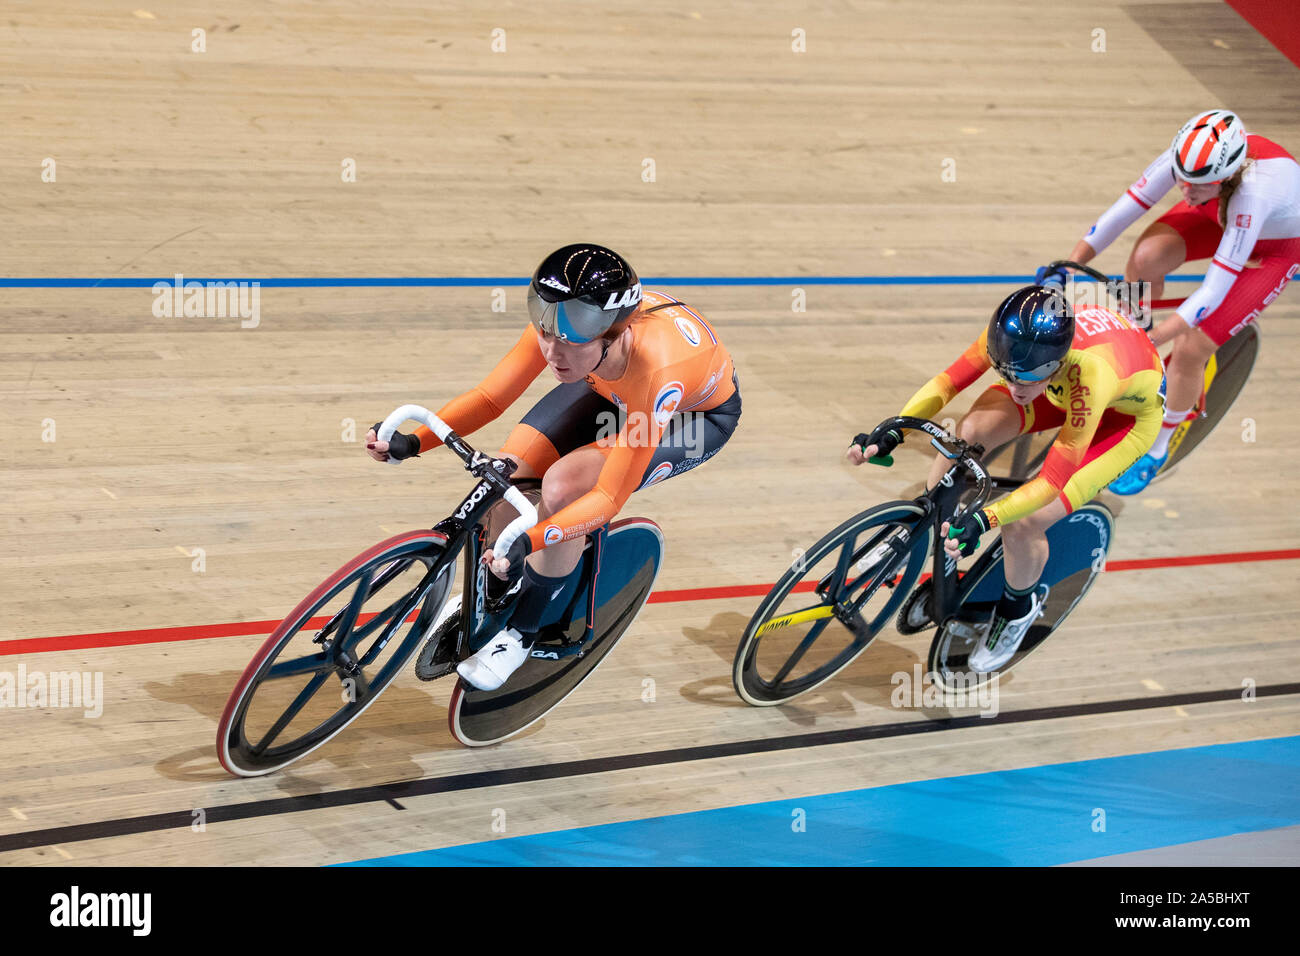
(418, 413)
(527, 518)
(415, 413)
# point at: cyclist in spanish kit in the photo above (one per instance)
(1096, 378)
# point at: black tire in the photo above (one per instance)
(1234, 360)
(1078, 546)
(258, 732)
(762, 648)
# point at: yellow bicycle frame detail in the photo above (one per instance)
(798, 617)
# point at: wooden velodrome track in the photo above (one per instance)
(176, 434)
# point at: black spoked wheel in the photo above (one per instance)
(335, 653)
(1226, 376)
(1078, 545)
(826, 609)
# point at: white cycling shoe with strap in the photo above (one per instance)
(994, 650)
(495, 661)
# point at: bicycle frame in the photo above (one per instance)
(465, 532)
(487, 618)
(494, 485)
(939, 501)
(940, 504)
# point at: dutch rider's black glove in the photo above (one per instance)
(400, 446)
(519, 550)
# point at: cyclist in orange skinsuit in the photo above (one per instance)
(647, 392)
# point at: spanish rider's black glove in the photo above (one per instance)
(885, 440)
(968, 535)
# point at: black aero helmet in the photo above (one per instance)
(1029, 334)
(581, 291)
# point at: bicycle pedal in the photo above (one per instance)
(967, 631)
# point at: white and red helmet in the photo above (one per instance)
(1210, 147)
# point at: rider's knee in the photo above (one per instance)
(1015, 531)
(1149, 259)
(968, 429)
(564, 484)
(1192, 348)
(978, 425)
(1028, 528)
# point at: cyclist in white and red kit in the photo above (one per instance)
(1240, 206)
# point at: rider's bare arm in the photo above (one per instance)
(1082, 253)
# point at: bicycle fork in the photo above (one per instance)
(941, 502)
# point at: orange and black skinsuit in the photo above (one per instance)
(1105, 398)
(674, 407)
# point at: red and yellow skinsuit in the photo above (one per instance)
(1104, 398)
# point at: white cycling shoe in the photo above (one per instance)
(988, 658)
(495, 661)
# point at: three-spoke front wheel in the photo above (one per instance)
(335, 653)
(826, 609)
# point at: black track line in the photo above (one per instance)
(390, 792)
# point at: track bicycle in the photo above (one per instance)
(830, 605)
(344, 643)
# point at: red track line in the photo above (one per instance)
(199, 632)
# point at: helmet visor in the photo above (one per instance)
(1031, 376)
(574, 320)
(1192, 180)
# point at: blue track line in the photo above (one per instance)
(1036, 816)
(462, 282)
